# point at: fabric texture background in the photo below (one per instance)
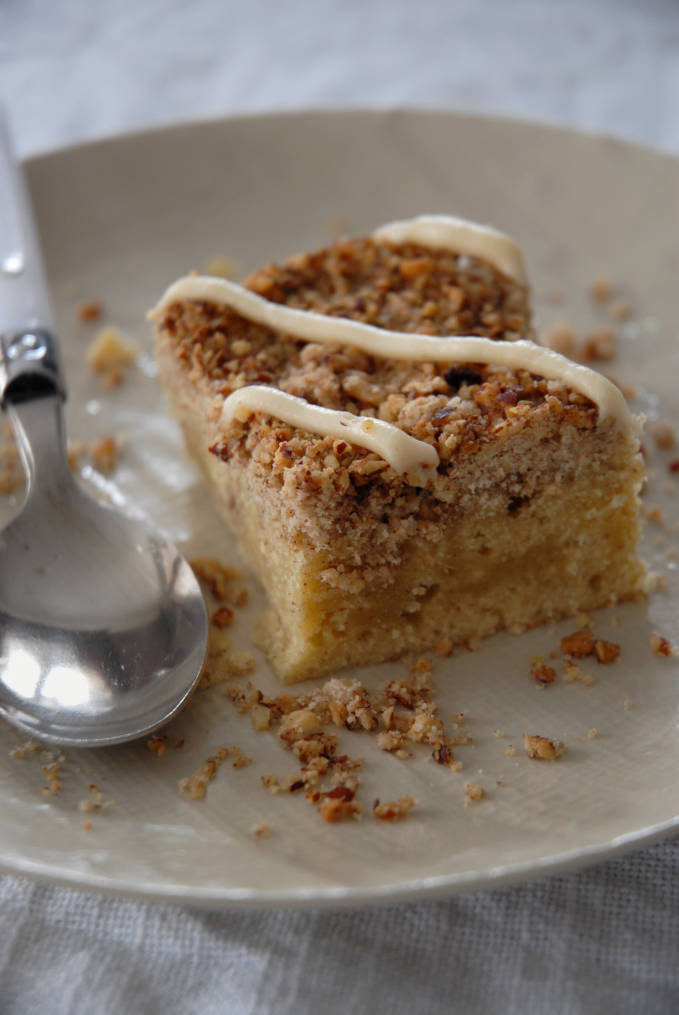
(603, 940)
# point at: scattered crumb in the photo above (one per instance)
(601, 289)
(216, 576)
(510, 751)
(87, 826)
(222, 267)
(655, 515)
(52, 772)
(157, 745)
(473, 793)
(579, 644)
(242, 762)
(561, 338)
(90, 311)
(94, 802)
(620, 310)
(222, 617)
(111, 351)
(606, 651)
(542, 748)
(195, 786)
(574, 674)
(394, 740)
(592, 734)
(626, 704)
(663, 433)
(339, 804)
(105, 454)
(583, 643)
(599, 345)
(261, 831)
(25, 750)
(662, 646)
(74, 453)
(543, 674)
(393, 810)
(11, 469)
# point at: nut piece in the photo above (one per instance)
(300, 724)
(260, 716)
(542, 748)
(579, 644)
(606, 651)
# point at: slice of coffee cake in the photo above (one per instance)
(400, 463)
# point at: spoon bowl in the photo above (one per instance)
(102, 623)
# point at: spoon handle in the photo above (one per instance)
(29, 366)
(29, 363)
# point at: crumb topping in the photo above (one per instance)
(403, 288)
(451, 408)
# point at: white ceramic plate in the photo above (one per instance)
(122, 218)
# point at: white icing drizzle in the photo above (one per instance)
(412, 347)
(415, 460)
(449, 233)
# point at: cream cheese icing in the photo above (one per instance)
(447, 232)
(410, 346)
(415, 460)
(412, 458)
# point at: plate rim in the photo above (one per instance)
(340, 111)
(424, 890)
(340, 897)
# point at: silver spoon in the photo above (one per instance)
(102, 623)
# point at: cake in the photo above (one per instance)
(403, 466)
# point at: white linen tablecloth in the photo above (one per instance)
(603, 940)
